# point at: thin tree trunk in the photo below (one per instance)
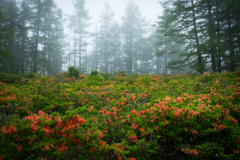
(232, 60)
(200, 63)
(36, 44)
(219, 63)
(74, 53)
(210, 32)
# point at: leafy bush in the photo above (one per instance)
(145, 79)
(94, 72)
(120, 73)
(106, 75)
(8, 77)
(93, 80)
(73, 72)
(61, 77)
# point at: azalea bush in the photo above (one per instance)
(126, 117)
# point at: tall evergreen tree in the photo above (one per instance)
(95, 55)
(5, 35)
(115, 47)
(132, 29)
(186, 19)
(81, 23)
(105, 26)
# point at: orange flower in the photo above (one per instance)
(142, 129)
(31, 140)
(19, 148)
(168, 98)
(33, 127)
(4, 130)
(46, 129)
(40, 112)
(235, 151)
(46, 147)
(133, 112)
(81, 120)
(92, 149)
(143, 96)
(220, 127)
(195, 132)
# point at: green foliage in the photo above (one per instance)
(17, 78)
(5, 36)
(73, 72)
(94, 80)
(134, 118)
(120, 73)
(8, 77)
(61, 77)
(144, 78)
(94, 72)
(106, 76)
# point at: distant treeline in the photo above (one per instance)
(191, 36)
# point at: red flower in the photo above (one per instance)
(33, 127)
(235, 151)
(81, 120)
(46, 147)
(46, 129)
(40, 112)
(4, 130)
(101, 143)
(19, 148)
(31, 140)
(92, 149)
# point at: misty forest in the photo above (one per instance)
(190, 37)
(128, 90)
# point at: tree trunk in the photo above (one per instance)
(36, 44)
(210, 32)
(232, 60)
(219, 62)
(200, 63)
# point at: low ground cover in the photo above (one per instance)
(121, 117)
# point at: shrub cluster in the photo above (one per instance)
(72, 71)
(132, 117)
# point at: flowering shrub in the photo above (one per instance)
(132, 117)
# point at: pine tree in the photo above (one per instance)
(132, 29)
(106, 20)
(81, 19)
(5, 35)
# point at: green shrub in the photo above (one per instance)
(94, 72)
(120, 73)
(145, 79)
(93, 80)
(8, 77)
(73, 72)
(106, 75)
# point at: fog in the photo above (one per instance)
(131, 36)
(149, 8)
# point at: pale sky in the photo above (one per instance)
(150, 8)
